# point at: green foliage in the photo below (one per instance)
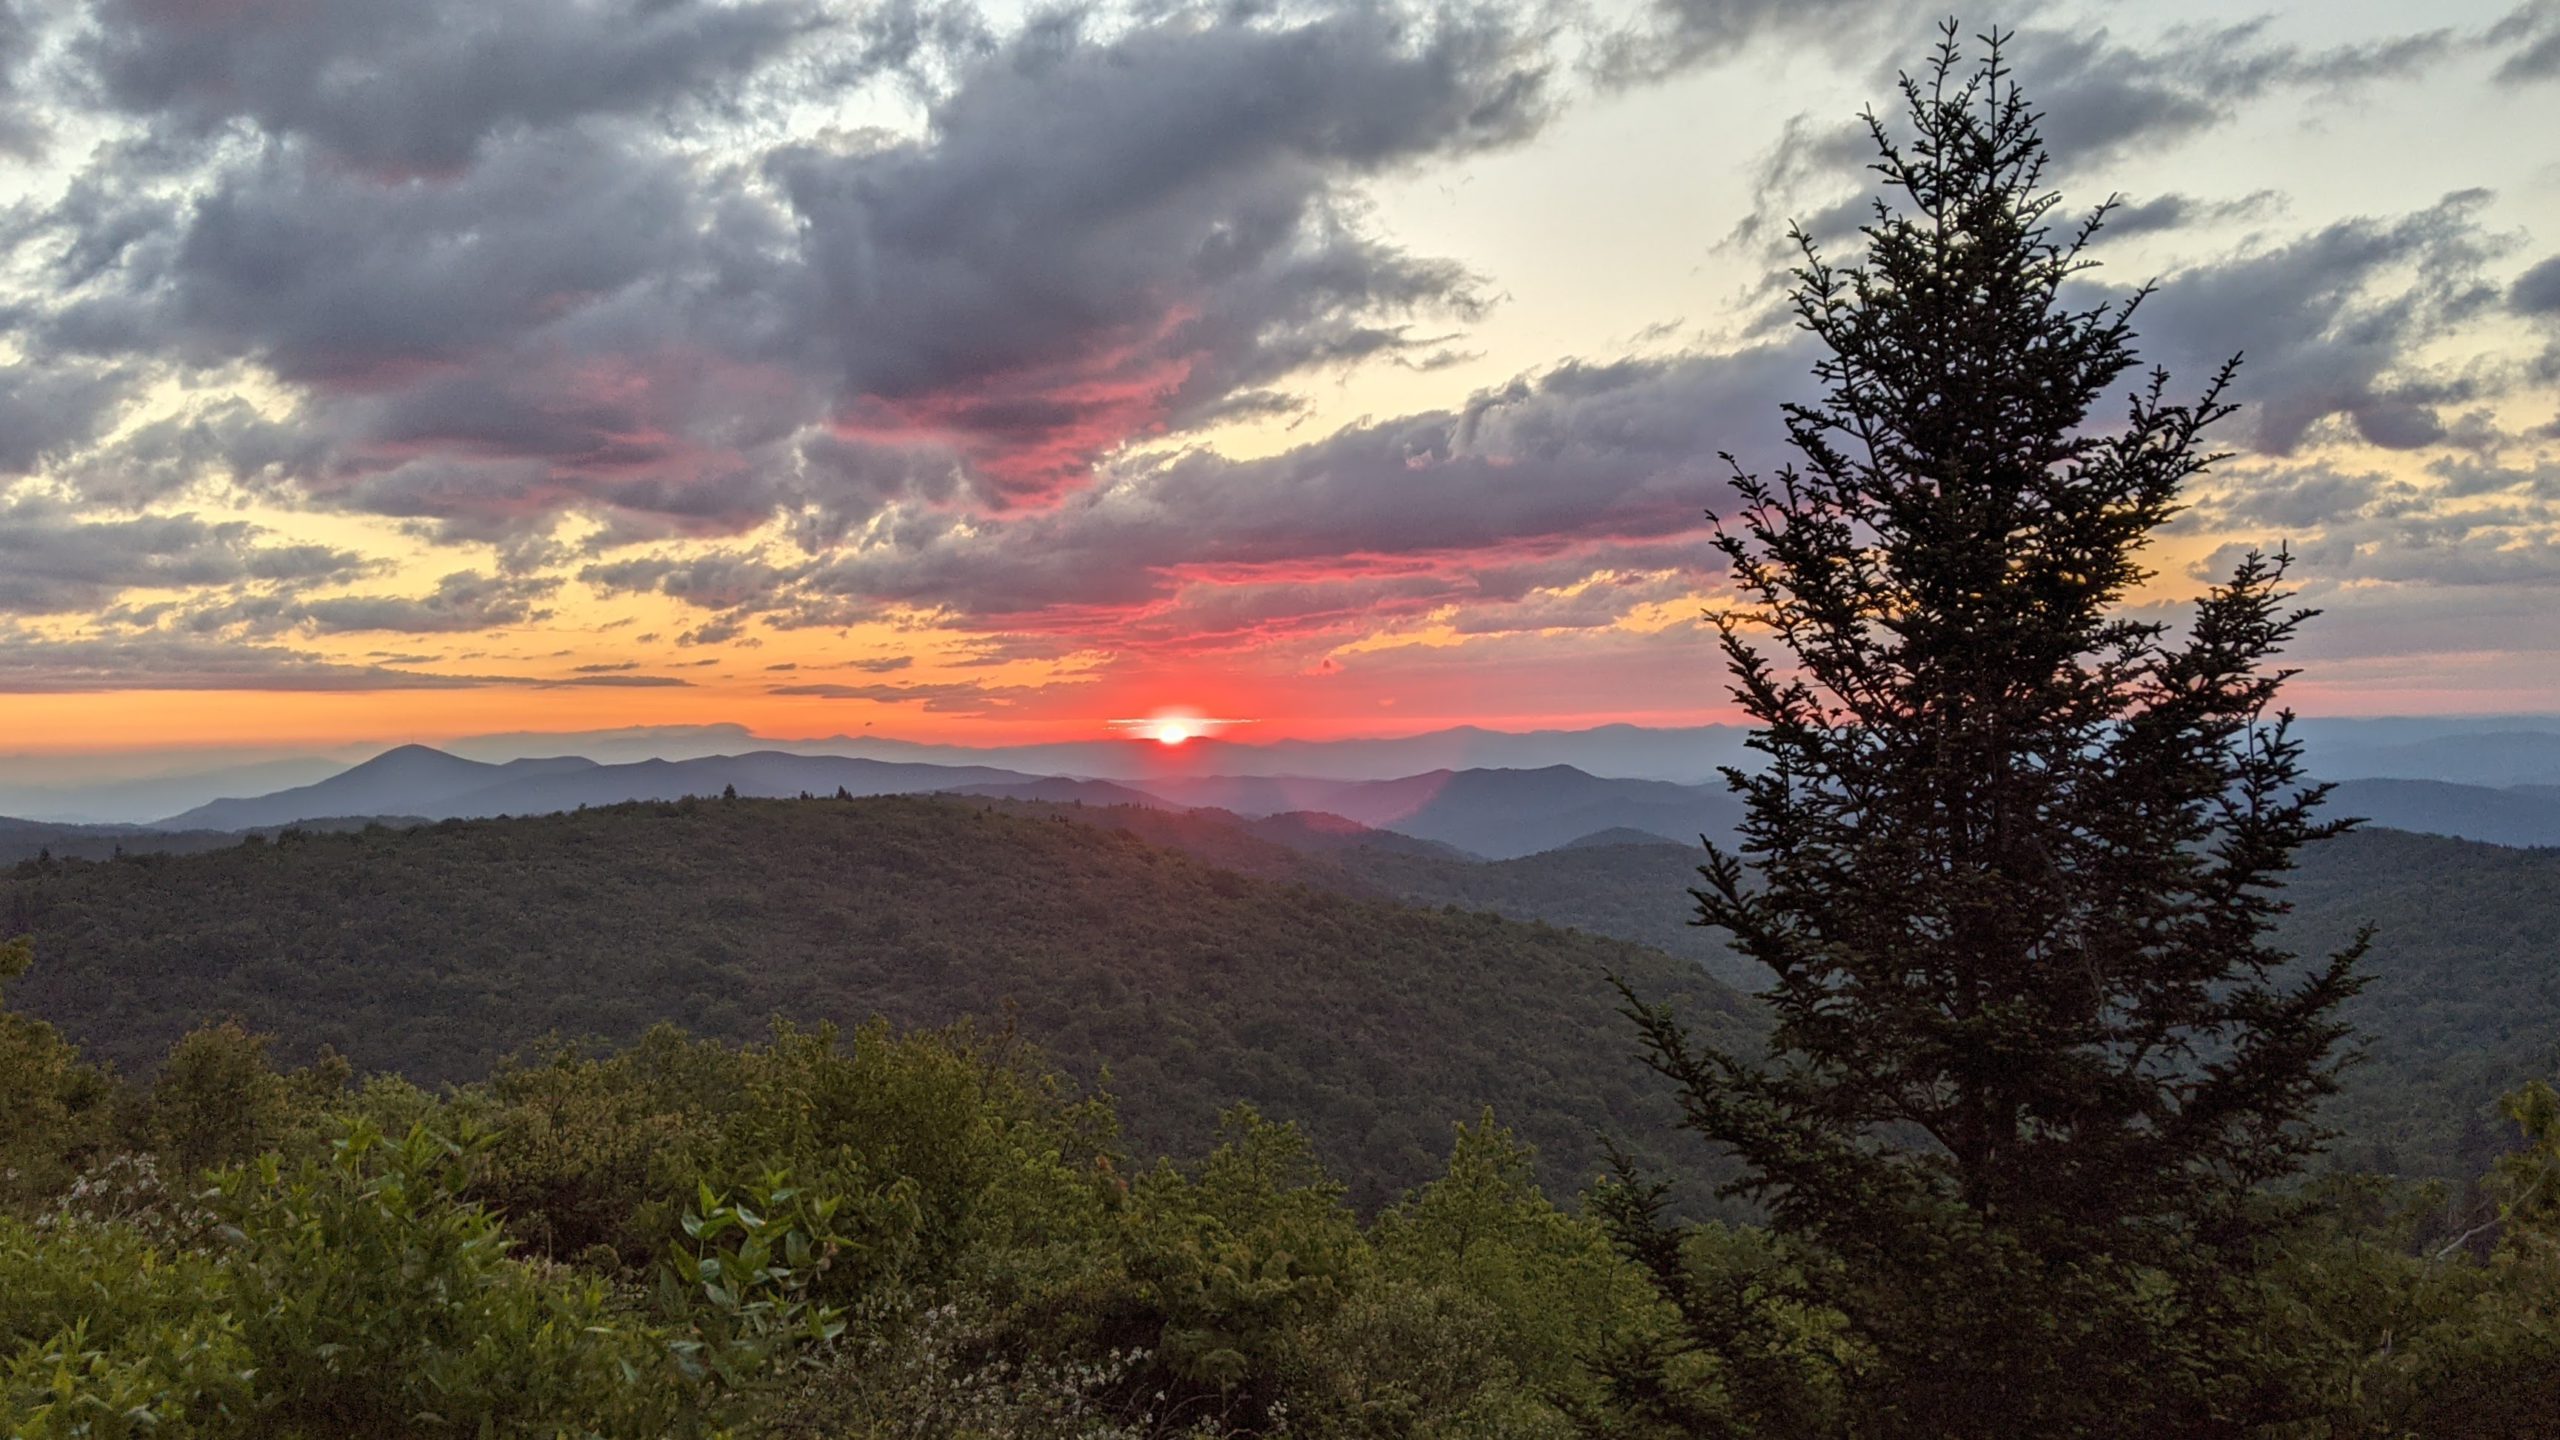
(928, 1237)
(106, 1333)
(376, 1301)
(744, 1277)
(57, 1109)
(217, 1100)
(435, 952)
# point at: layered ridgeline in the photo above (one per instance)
(1487, 812)
(435, 951)
(1263, 963)
(2462, 1005)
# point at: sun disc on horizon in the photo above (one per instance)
(1173, 729)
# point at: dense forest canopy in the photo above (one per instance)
(434, 952)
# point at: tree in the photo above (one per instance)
(57, 1109)
(2013, 853)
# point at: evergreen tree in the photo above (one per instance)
(2013, 853)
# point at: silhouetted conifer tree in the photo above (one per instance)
(2013, 853)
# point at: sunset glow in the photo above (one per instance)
(530, 419)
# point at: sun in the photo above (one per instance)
(1172, 729)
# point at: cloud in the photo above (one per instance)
(2368, 527)
(488, 311)
(38, 664)
(2100, 97)
(2537, 291)
(950, 699)
(1581, 456)
(23, 126)
(419, 87)
(463, 601)
(2330, 324)
(2531, 36)
(56, 561)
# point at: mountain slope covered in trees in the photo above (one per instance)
(436, 951)
(2462, 1003)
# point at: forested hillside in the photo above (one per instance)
(436, 951)
(2462, 1004)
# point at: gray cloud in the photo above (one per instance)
(1581, 455)
(463, 601)
(2099, 95)
(2530, 34)
(959, 699)
(23, 126)
(2537, 291)
(1092, 241)
(414, 88)
(56, 561)
(36, 664)
(2326, 331)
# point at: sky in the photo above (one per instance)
(387, 370)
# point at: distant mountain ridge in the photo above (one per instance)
(417, 780)
(1495, 813)
(2525, 815)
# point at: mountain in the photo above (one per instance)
(2495, 752)
(436, 950)
(410, 780)
(1498, 813)
(2525, 815)
(1065, 790)
(2462, 1002)
(1683, 754)
(36, 787)
(1495, 813)
(417, 780)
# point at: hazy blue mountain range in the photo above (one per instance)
(2524, 815)
(416, 780)
(2497, 753)
(1493, 813)
(128, 788)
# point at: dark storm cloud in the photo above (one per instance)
(56, 561)
(419, 86)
